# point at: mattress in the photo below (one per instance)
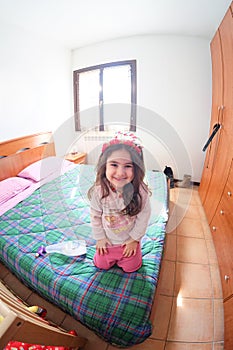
(114, 304)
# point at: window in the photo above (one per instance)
(99, 87)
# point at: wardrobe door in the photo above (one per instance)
(217, 102)
(223, 147)
(226, 32)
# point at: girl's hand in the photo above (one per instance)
(131, 247)
(101, 246)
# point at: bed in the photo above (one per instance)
(50, 206)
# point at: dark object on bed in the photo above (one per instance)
(169, 173)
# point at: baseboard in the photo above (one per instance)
(193, 183)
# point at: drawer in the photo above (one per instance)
(228, 191)
(225, 206)
(223, 240)
(225, 211)
(228, 324)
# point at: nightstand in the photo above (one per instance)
(77, 158)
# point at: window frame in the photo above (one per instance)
(101, 67)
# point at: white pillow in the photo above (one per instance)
(11, 186)
(43, 168)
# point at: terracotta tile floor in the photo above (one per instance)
(188, 310)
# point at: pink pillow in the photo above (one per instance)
(43, 168)
(11, 187)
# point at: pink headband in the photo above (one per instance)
(126, 138)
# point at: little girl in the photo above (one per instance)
(120, 204)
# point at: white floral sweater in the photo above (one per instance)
(108, 222)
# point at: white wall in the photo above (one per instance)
(173, 96)
(35, 84)
(173, 81)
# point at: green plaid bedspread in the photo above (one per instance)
(114, 304)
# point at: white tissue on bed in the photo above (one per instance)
(70, 248)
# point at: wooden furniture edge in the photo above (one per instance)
(22, 151)
(22, 325)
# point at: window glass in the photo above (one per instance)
(89, 87)
(104, 95)
(117, 84)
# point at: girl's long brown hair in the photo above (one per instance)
(131, 191)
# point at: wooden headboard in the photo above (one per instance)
(16, 154)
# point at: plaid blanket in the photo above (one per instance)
(114, 304)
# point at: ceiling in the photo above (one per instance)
(78, 23)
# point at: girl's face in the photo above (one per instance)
(119, 168)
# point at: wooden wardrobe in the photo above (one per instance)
(216, 187)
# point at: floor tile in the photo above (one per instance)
(3, 272)
(188, 346)
(195, 197)
(218, 320)
(94, 342)
(202, 213)
(167, 278)
(206, 229)
(170, 248)
(193, 280)
(171, 224)
(173, 194)
(163, 308)
(218, 346)
(184, 196)
(191, 228)
(191, 320)
(216, 281)
(149, 344)
(13, 283)
(191, 250)
(191, 211)
(211, 252)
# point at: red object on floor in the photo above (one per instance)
(16, 345)
(72, 332)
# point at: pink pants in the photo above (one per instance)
(115, 256)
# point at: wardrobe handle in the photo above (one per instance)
(229, 193)
(214, 228)
(226, 277)
(221, 212)
(216, 127)
(221, 115)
